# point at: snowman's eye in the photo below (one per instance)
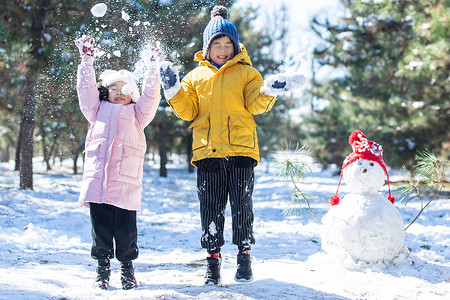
(359, 162)
(371, 164)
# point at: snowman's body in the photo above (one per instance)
(364, 225)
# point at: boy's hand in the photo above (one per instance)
(170, 79)
(275, 84)
(86, 46)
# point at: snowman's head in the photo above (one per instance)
(364, 176)
(366, 157)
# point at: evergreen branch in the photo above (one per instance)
(423, 207)
(296, 189)
(294, 167)
(431, 172)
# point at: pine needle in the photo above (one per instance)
(295, 166)
(427, 181)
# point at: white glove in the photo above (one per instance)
(86, 46)
(170, 79)
(151, 57)
(284, 82)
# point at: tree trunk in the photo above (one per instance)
(75, 159)
(162, 149)
(18, 147)
(45, 149)
(27, 128)
(29, 105)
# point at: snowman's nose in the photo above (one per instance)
(363, 170)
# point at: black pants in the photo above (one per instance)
(218, 178)
(108, 223)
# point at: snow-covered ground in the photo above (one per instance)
(45, 244)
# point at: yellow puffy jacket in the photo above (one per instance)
(222, 102)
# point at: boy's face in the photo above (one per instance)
(221, 50)
(115, 95)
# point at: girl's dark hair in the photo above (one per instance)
(103, 93)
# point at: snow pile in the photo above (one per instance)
(51, 258)
(34, 238)
(365, 225)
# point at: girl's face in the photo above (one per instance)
(221, 50)
(115, 95)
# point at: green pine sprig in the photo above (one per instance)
(295, 166)
(427, 181)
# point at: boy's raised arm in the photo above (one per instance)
(261, 95)
(283, 82)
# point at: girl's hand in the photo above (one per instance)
(152, 56)
(86, 46)
(156, 54)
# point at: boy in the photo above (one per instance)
(222, 94)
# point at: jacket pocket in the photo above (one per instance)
(91, 158)
(242, 131)
(132, 162)
(200, 134)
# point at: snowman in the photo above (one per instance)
(365, 225)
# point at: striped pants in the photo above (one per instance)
(218, 179)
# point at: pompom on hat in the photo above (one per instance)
(108, 77)
(363, 149)
(217, 26)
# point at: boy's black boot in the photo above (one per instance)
(244, 267)
(127, 276)
(212, 274)
(103, 273)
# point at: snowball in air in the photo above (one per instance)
(125, 16)
(127, 89)
(99, 10)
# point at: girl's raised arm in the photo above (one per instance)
(149, 101)
(88, 94)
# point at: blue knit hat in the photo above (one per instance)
(219, 25)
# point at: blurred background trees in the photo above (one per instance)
(390, 64)
(40, 114)
(386, 66)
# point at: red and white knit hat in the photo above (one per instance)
(363, 149)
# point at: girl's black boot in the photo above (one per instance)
(127, 276)
(103, 273)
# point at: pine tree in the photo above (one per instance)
(46, 58)
(390, 64)
(41, 27)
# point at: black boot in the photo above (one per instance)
(127, 276)
(212, 274)
(244, 267)
(103, 273)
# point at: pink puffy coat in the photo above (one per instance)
(115, 143)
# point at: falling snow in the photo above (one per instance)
(125, 16)
(99, 10)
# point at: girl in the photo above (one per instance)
(114, 157)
